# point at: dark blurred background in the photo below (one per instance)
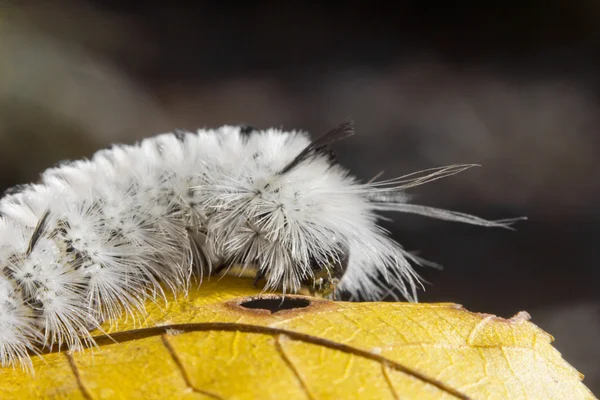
(513, 87)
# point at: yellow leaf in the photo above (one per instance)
(218, 344)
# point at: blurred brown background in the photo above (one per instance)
(512, 87)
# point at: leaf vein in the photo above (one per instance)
(388, 380)
(75, 370)
(182, 370)
(291, 366)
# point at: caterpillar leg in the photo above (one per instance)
(260, 274)
(325, 280)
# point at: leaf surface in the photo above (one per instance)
(213, 345)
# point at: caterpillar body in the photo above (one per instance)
(96, 238)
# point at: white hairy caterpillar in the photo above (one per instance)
(97, 238)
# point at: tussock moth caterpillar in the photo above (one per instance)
(96, 238)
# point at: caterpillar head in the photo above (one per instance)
(305, 224)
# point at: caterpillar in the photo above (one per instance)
(96, 238)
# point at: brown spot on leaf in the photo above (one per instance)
(521, 316)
